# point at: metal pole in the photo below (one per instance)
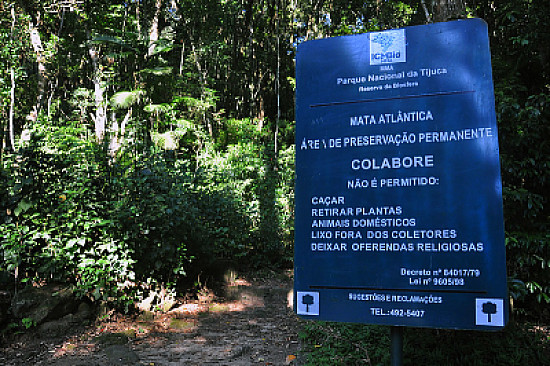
(396, 346)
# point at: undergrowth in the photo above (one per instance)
(327, 343)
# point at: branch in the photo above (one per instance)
(125, 122)
(428, 18)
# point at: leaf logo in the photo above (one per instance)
(385, 40)
(388, 47)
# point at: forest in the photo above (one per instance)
(147, 143)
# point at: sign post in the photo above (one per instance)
(396, 337)
(398, 194)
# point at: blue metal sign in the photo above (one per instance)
(398, 192)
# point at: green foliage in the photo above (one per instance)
(355, 344)
(59, 223)
(528, 260)
(28, 323)
(154, 215)
(285, 202)
(13, 58)
(247, 173)
(336, 344)
(126, 99)
(113, 226)
(520, 53)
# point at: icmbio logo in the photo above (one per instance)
(388, 47)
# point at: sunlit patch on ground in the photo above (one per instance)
(250, 324)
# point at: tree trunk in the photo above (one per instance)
(202, 80)
(40, 59)
(444, 10)
(118, 134)
(154, 30)
(12, 109)
(100, 117)
(11, 126)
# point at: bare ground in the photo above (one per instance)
(253, 324)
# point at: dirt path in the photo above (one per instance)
(252, 325)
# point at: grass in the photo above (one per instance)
(327, 343)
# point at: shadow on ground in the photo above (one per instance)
(252, 324)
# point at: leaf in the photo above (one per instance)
(22, 207)
(110, 39)
(157, 108)
(162, 46)
(157, 71)
(96, 293)
(126, 99)
(289, 359)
